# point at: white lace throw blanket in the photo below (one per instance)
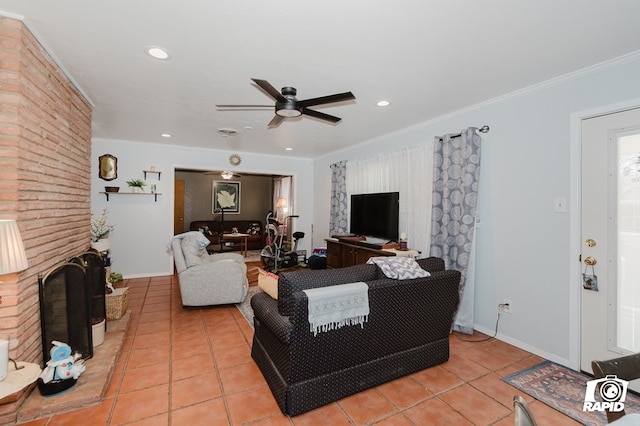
(336, 306)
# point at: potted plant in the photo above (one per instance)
(115, 277)
(136, 185)
(100, 231)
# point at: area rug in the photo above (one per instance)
(245, 307)
(253, 256)
(564, 390)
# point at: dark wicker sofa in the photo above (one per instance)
(407, 331)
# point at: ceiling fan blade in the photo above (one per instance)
(338, 97)
(272, 91)
(275, 121)
(219, 173)
(244, 106)
(320, 115)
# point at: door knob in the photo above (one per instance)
(590, 260)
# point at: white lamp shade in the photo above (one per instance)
(12, 255)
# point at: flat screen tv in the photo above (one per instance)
(375, 215)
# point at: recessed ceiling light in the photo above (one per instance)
(165, 135)
(158, 53)
(383, 103)
(288, 149)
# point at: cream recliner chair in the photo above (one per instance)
(206, 279)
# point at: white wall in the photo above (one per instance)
(523, 245)
(144, 227)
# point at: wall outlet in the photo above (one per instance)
(506, 307)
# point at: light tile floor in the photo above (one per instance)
(193, 367)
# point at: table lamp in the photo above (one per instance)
(13, 259)
(281, 206)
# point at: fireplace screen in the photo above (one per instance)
(96, 282)
(65, 310)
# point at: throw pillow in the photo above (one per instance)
(205, 230)
(268, 282)
(399, 268)
(254, 229)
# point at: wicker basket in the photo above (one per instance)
(117, 303)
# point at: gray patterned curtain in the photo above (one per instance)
(338, 216)
(455, 193)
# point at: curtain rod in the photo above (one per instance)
(483, 129)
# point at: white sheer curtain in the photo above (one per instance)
(410, 172)
(283, 201)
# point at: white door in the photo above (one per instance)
(610, 315)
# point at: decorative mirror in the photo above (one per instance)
(234, 159)
(108, 167)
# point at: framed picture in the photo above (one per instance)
(226, 195)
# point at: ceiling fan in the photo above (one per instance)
(225, 174)
(287, 105)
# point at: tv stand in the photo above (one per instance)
(375, 246)
(352, 239)
(345, 252)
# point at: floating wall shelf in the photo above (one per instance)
(155, 194)
(151, 171)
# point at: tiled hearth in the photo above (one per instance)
(92, 384)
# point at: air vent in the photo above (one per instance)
(227, 132)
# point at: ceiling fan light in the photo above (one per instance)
(226, 175)
(288, 110)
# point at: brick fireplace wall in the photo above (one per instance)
(45, 175)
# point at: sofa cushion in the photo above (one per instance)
(431, 264)
(293, 281)
(399, 268)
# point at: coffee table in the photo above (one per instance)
(242, 238)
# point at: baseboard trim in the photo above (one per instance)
(524, 346)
